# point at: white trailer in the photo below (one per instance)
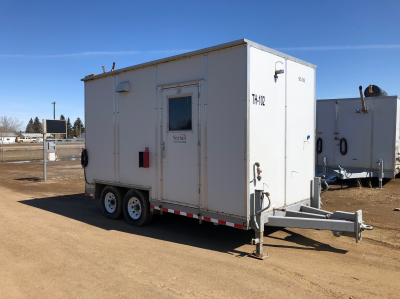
(359, 138)
(189, 135)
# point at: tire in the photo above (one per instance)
(111, 202)
(136, 208)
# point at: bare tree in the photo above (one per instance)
(8, 125)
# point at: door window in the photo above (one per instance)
(180, 114)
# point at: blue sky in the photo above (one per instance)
(48, 46)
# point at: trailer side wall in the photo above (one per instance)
(120, 125)
(281, 128)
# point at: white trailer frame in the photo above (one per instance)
(251, 107)
(372, 137)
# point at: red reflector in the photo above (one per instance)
(207, 219)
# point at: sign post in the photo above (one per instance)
(51, 126)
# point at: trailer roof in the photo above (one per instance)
(358, 99)
(197, 52)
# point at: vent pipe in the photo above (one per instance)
(364, 109)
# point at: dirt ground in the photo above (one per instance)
(55, 243)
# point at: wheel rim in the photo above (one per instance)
(134, 208)
(110, 202)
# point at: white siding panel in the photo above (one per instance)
(137, 126)
(100, 129)
(384, 127)
(183, 70)
(267, 126)
(300, 124)
(325, 116)
(226, 111)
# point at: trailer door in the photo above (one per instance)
(356, 130)
(180, 145)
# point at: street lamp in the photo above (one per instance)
(54, 110)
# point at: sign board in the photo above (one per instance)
(52, 126)
(51, 156)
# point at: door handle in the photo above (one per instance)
(163, 149)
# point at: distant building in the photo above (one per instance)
(6, 138)
(32, 137)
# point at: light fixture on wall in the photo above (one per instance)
(277, 72)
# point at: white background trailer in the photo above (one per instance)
(371, 137)
(206, 117)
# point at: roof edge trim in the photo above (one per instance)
(198, 52)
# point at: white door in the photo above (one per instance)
(180, 145)
(356, 129)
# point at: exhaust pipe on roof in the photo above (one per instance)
(104, 70)
(364, 108)
(374, 91)
(113, 67)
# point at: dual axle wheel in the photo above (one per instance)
(134, 206)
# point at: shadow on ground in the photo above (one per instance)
(173, 228)
(33, 179)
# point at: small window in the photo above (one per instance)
(180, 114)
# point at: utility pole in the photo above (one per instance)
(54, 110)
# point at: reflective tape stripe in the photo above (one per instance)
(197, 217)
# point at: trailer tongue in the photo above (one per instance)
(340, 223)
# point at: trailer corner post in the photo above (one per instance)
(259, 229)
(316, 199)
(44, 157)
(380, 173)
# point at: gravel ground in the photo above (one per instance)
(55, 243)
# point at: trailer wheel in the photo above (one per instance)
(136, 208)
(111, 202)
